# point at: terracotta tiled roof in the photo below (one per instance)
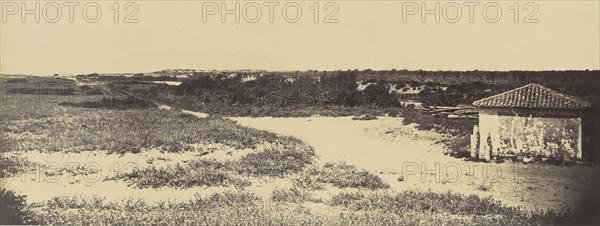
(533, 96)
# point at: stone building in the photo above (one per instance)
(532, 121)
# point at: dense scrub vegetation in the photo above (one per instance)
(13, 208)
(240, 93)
(454, 127)
(579, 83)
(267, 94)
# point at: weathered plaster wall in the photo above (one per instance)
(544, 133)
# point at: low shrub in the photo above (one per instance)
(193, 173)
(94, 92)
(484, 187)
(202, 172)
(275, 162)
(340, 175)
(458, 147)
(424, 121)
(364, 117)
(175, 147)
(479, 210)
(11, 166)
(294, 195)
(13, 208)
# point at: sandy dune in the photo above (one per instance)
(342, 139)
(393, 150)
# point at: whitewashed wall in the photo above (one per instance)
(536, 133)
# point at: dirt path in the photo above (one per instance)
(408, 158)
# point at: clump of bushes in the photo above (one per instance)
(11, 166)
(294, 195)
(458, 147)
(89, 90)
(175, 147)
(193, 173)
(275, 162)
(364, 117)
(341, 175)
(13, 208)
(377, 95)
(484, 187)
(274, 94)
(435, 96)
(93, 92)
(202, 172)
(423, 121)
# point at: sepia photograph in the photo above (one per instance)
(299, 112)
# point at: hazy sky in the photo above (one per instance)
(369, 34)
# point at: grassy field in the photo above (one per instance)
(115, 125)
(243, 208)
(265, 178)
